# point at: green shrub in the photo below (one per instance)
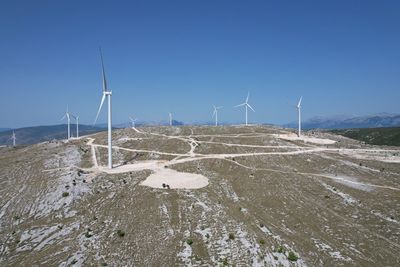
(231, 236)
(65, 194)
(280, 249)
(292, 256)
(262, 241)
(120, 233)
(189, 242)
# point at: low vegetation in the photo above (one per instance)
(120, 233)
(389, 136)
(292, 256)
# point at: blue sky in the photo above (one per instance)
(185, 56)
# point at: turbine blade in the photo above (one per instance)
(240, 105)
(247, 98)
(299, 104)
(63, 117)
(103, 72)
(215, 111)
(101, 104)
(250, 107)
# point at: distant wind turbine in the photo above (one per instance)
(298, 107)
(67, 115)
(77, 124)
(133, 121)
(170, 119)
(13, 138)
(247, 105)
(106, 93)
(215, 114)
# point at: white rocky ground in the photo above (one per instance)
(244, 196)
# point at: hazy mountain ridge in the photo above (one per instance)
(37, 134)
(350, 121)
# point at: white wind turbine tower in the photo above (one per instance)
(13, 138)
(133, 121)
(247, 105)
(215, 113)
(107, 94)
(298, 107)
(77, 124)
(170, 119)
(67, 115)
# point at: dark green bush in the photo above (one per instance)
(231, 236)
(292, 256)
(120, 233)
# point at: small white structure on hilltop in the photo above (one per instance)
(106, 94)
(247, 105)
(215, 114)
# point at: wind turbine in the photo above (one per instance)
(247, 105)
(106, 93)
(170, 119)
(133, 121)
(298, 107)
(77, 125)
(13, 138)
(215, 113)
(67, 115)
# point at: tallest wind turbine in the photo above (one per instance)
(247, 105)
(106, 93)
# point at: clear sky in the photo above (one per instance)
(185, 56)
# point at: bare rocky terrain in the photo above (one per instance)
(237, 196)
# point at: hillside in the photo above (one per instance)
(375, 136)
(349, 122)
(200, 196)
(37, 134)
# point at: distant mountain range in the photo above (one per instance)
(349, 121)
(37, 134)
(33, 135)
